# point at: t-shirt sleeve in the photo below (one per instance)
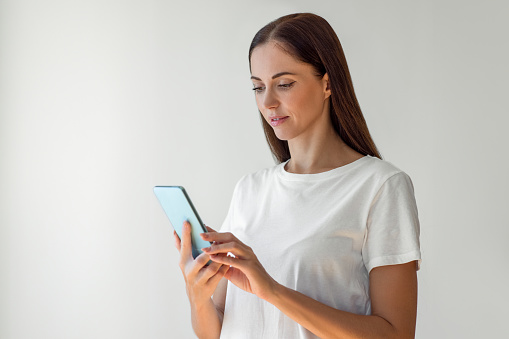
(229, 219)
(392, 234)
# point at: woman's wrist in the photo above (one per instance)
(205, 318)
(274, 293)
(205, 308)
(197, 300)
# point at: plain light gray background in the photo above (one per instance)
(101, 100)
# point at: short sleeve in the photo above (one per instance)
(228, 220)
(392, 233)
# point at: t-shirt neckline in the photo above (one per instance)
(322, 175)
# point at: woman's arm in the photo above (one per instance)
(202, 282)
(207, 318)
(219, 298)
(393, 292)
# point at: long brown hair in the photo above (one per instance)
(310, 38)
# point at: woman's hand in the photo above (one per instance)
(246, 272)
(201, 279)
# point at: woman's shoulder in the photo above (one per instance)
(383, 170)
(253, 183)
(259, 176)
(381, 167)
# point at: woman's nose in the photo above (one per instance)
(270, 100)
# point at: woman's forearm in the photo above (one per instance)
(206, 320)
(327, 322)
(392, 289)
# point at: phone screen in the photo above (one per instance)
(178, 207)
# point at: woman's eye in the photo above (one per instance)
(287, 85)
(260, 89)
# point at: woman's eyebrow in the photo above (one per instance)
(277, 75)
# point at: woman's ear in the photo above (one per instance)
(326, 85)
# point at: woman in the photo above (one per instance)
(326, 243)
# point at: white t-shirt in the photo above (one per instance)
(319, 234)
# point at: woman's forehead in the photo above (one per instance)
(271, 58)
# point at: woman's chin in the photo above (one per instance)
(282, 138)
(282, 135)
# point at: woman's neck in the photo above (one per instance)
(319, 153)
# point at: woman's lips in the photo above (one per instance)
(277, 122)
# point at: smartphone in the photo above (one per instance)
(178, 207)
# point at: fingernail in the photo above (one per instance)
(205, 249)
(204, 235)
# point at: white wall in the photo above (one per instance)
(101, 100)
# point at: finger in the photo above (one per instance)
(219, 237)
(236, 248)
(192, 267)
(208, 271)
(198, 263)
(177, 240)
(186, 249)
(231, 271)
(221, 273)
(227, 260)
(210, 229)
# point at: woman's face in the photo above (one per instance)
(289, 94)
